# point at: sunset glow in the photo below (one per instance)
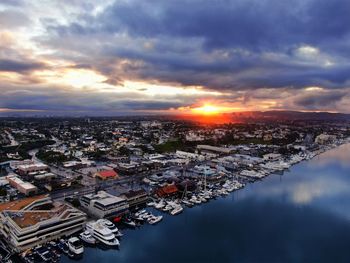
(92, 59)
(207, 109)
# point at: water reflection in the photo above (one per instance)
(323, 182)
(339, 156)
(301, 216)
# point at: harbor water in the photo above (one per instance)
(300, 216)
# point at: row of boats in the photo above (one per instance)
(106, 233)
(143, 215)
(174, 207)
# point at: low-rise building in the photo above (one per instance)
(106, 174)
(191, 156)
(104, 205)
(215, 149)
(25, 169)
(22, 186)
(32, 221)
(136, 198)
(167, 190)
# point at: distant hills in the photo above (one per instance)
(253, 116)
(289, 115)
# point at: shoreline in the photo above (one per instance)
(205, 195)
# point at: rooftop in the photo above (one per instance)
(105, 198)
(20, 204)
(30, 218)
(107, 173)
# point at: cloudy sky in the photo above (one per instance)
(157, 56)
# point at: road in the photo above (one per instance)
(13, 142)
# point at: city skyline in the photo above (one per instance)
(162, 57)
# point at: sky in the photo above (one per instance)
(118, 57)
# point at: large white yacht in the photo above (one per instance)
(75, 246)
(111, 226)
(102, 233)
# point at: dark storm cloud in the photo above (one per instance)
(318, 100)
(184, 32)
(251, 24)
(19, 66)
(56, 99)
(253, 50)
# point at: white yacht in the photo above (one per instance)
(87, 237)
(109, 225)
(151, 204)
(167, 208)
(155, 219)
(187, 203)
(177, 210)
(75, 246)
(145, 216)
(138, 213)
(160, 205)
(102, 233)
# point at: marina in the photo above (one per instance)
(278, 197)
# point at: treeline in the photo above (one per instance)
(52, 157)
(24, 148)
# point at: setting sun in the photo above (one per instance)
(207, 109)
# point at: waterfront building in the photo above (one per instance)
(104, 205)
(32, 221)
(166, 191)
(136, 198)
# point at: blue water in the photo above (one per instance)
(301, 216)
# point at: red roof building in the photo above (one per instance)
(167, 190)
(107, 174)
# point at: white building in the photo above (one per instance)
(104, 205)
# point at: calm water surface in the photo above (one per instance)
(301, 216)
